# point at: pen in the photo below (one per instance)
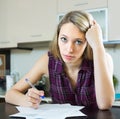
(28, 81)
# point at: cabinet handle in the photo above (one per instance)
(37, 35)
(4, 41)
(79, 4)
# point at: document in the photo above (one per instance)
(49, 111)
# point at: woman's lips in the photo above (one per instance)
(68, 57)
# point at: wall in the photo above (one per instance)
(23, 60)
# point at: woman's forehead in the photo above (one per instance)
(69, 29)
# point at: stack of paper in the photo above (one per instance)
(49, 111)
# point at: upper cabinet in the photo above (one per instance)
(98, 9)
(105, 11)
(113, 20)
(5, 42)
(31, 20)
(28, 21)
(101, 16)
(68, 5)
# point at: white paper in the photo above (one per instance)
(49, 111)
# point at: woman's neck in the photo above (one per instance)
(73, 67)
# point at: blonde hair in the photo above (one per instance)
(83, 21)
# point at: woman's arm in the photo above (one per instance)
(103, 68)
(16, 95)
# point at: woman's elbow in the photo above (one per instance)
(7, 97)
(106, 105)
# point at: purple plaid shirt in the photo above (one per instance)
(60, 87)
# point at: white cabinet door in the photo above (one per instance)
(114, 20)
(5, 42)
(31, 20)
(98, 8)
(95, 4)
(68, 5)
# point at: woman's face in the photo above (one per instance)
(72, 43)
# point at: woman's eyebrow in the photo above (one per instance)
(63, 35)
(81, 39)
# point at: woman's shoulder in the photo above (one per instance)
(47, 57)
(109, 57)
(43, 58)
(42, 62)
(50, 55)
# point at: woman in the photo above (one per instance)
(79, 69)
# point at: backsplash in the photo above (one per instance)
(115, 53)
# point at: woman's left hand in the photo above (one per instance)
(94, 35)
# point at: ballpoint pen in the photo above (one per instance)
(28, 81)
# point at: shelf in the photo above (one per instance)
(112, 43)
(34, 44)
(29, 45)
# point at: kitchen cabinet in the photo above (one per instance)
(5, 42)
(68, 5)
(31, 20)
(101, 16)
(98, 9)
(113, 20)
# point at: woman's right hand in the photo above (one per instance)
(33, 97)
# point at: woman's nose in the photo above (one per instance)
(70, 47)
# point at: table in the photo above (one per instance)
(92, 113)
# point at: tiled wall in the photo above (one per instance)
(115, 53)
(23, 60)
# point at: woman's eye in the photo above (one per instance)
(63, 39)
(78, 42)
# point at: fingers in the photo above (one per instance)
(94, 22)
(32, 105)
(33, 97)
(34, 93)
(94, 35)
(95, 28)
